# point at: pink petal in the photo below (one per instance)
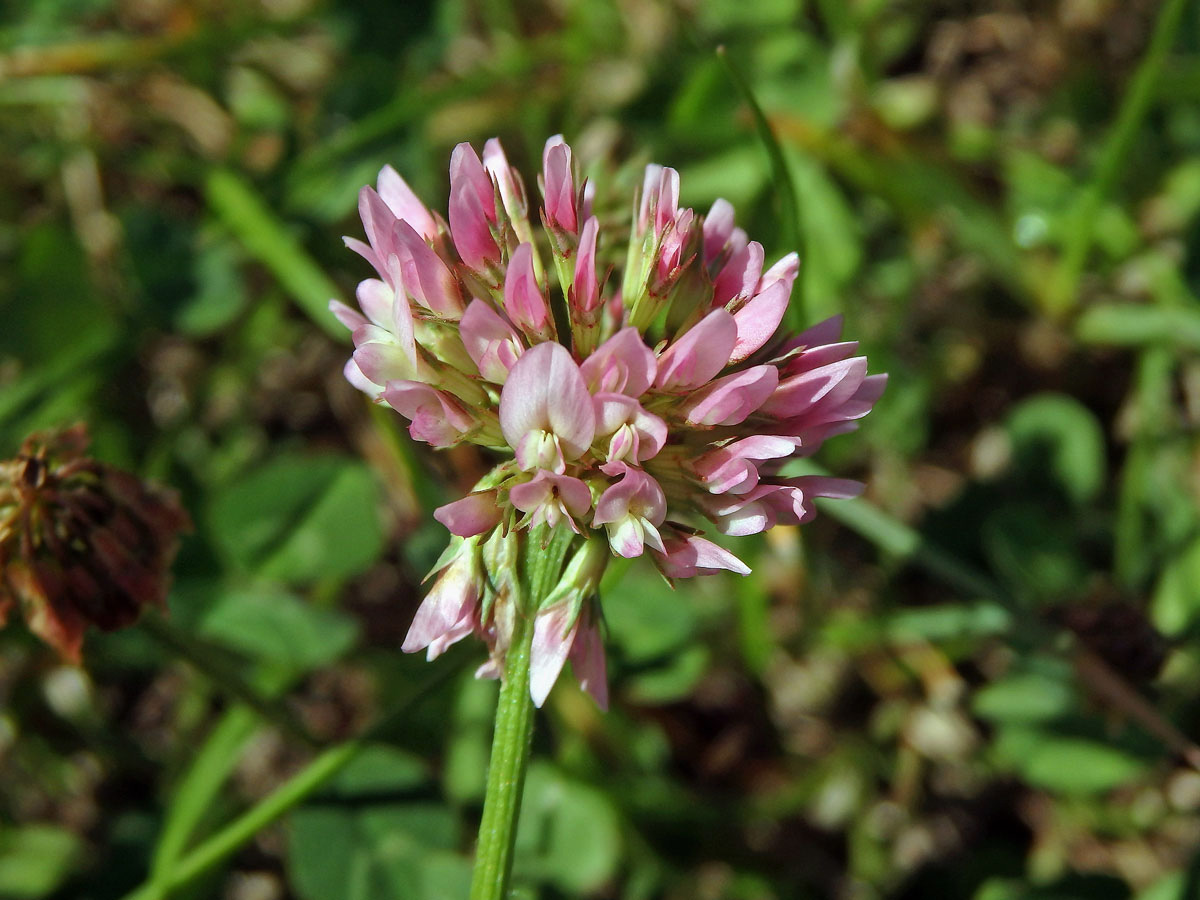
(616, 411)
(636, 494)
(452, 598)
(674, 242)
(382, 362)
(405, 204)
(346, 315)
(784, 271)
(365, 252)
(864, 398)
(825, 332)
(548, 487)
(700, 354)
(546, 392)
(660, 198)
(552, 641)
(718, 226)
(559, 184)
(376, 299)
(623, 364)
(355, 376)
(437, 417)
(473, 514)
(377, 221)
(826, 486)
(728, 468)
(490, 341)
(433, 285)
(758, 319)
(729, 400)
(472, 209)
(740, 275)
(523, 299)
(585, 290)
(512, 191)
(817, 356)
(587, 660)
(688, 555)
(798, 394)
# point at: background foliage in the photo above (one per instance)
(975, 683)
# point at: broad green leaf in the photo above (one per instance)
(832, 248)
(1038, 556)
(278, 627)
(297, 519)
(569, 834)
(35, 860)
(357, 850)
(1066, 764)
(361, 841)
(673, 680)
(378, 769)
(50, 274)
(220, 291)
(1030, 695)
(646, 618)
(1176, 603)
(1058, 432)
(464, 771)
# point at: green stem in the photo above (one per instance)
(542, 556)
(506, 775)
(242, 830)
(274, 806)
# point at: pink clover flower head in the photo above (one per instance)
(635, 383)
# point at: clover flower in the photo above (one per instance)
(81, 542)
(634, 411)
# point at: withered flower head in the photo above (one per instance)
(81, 542)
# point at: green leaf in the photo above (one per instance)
(382, 851)
(1058, 432)
(1137, 324)
(1034, 694)
(568, 835)
(1176, 603)
(646, 618)
(832, 250)
(1066, 764)
(672, 681)
(35, 860)
(359, 841)
(379, 769)
(785, 188)
(220, 293)
(193, 796)
(267, 239)
(1038, 556)
(298, 519)
(280, 628)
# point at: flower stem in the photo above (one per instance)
(542, 559)
(506, 775)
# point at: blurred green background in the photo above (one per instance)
(977, 682)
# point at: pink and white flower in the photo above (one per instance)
(631, 433)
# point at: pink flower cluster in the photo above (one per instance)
(630, 415)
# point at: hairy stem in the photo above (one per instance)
(506, 775)
(542, 559)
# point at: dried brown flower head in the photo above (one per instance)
(81, 542)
